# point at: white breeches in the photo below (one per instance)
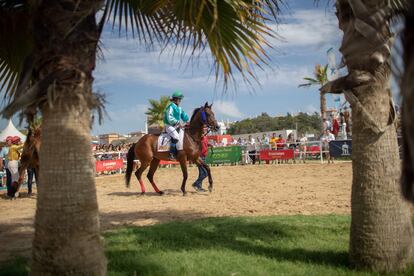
(14, 170)
(172, 132)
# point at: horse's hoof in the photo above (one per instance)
(184, 193)
(210, 189)
(142, 194)
(161, 193)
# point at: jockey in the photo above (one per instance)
(172, 116)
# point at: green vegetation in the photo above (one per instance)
(279, 245)
(155, 111)
(305, 123)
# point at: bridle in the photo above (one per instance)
(204, 119)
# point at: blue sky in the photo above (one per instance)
(130, 74)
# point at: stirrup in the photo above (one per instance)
(172, 156)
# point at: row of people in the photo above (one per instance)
(339, 124)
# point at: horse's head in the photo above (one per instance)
(204, 116)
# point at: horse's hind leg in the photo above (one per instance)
(138, 174)
(153, 168)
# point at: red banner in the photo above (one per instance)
(109, 165)
(165, 162)
(313, 150)
(276, 154)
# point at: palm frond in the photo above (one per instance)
(305, 85)
(400, 6)
(325, 69)
(313, 81)
(139, 16)
(16, 44)
(156, 110)
(235, 31)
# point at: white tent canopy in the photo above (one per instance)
(11, 130)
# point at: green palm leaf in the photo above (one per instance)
(16, 43)
(235, 31)
(156, 110)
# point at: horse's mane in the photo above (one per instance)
(194, 113)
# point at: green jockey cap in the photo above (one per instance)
(177, 95)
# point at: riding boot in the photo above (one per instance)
(173, 151)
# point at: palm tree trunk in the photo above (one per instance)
(67, 237)
(407, 91)
(323, 105)
(381, 227)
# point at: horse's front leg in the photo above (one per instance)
(183, 164)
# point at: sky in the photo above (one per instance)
(130, 73)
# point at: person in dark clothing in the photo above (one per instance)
(30, 174)
(202, 172)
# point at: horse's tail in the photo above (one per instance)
(130, 164)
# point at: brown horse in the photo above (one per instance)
(30, 156)
(146, 151)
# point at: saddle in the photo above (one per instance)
(164, 141)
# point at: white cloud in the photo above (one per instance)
(125, 120)
(307, 28)
(127, 61)
(311, 109)
(228, 109)
(286, 76)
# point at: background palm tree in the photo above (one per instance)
(320, 78)
(44, 67)
(382, 236)
(156, 111)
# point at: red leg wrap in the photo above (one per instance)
(142, 186)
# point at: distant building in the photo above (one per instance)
(222, 129)
(108, 138)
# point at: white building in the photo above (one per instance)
(223, 129)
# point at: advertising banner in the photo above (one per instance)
(168, 162)
(276, 154)
(340, 148)
(221, 155)
(109, 165)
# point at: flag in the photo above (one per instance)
(333, 68)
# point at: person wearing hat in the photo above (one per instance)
(14, 157)
(172, 116)
(4, 164)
